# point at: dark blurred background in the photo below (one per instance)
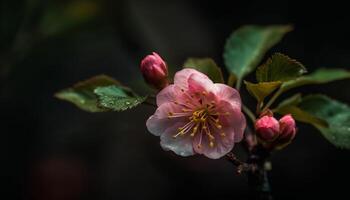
(50, 150)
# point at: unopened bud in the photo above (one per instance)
(154, 71)
(267, 128)
(287, 129)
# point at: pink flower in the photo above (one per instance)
(197, 116)
(154, 71)
(287, 128)
(267, 128)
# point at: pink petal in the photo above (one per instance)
(240, 127)
(181, 77)
(162, 65)
(160, 125)
(159, 122)
(222, 146)
(199, 82)
(168, 94)
(233, 126)
(229, 94)
(235, 122)
(181, 145)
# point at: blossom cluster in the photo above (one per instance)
(197, 116)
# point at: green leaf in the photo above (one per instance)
(290, 106)
(115, 98)
(82, 94)
(318, 77)
(337, 115)
(206, 66)
(261, 90)
(334, 113)
(246, 47)
(279, 68)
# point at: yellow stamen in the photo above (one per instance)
(218, 126)
(211, 144)
(204, 120)
(194, 131)
(179, 133)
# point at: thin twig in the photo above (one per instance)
(238, 83)
(241, 166)
(152, 96)
(249, 113)
(231, 80)
(272, 100)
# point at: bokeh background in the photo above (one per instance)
(50, 150)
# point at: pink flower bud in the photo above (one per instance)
(267, 128)
(287, 129)
(154, 71)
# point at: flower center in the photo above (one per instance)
(203, 120)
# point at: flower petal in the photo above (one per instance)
(234, 123)
(181, 145)
(233, 126)
(168, 94)
(221, 146)
(227, 93)
(240, 127)
(199, 82)
(181, 77)
(159, 122)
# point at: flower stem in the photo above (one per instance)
(238, 83)
(241, 166)
(249, 113)
(260, 185)
(272, 100)
(231, 80)
(150, 101)
(258, 179)
(149, 104)
(256, 169)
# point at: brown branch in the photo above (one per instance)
(241, 166)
